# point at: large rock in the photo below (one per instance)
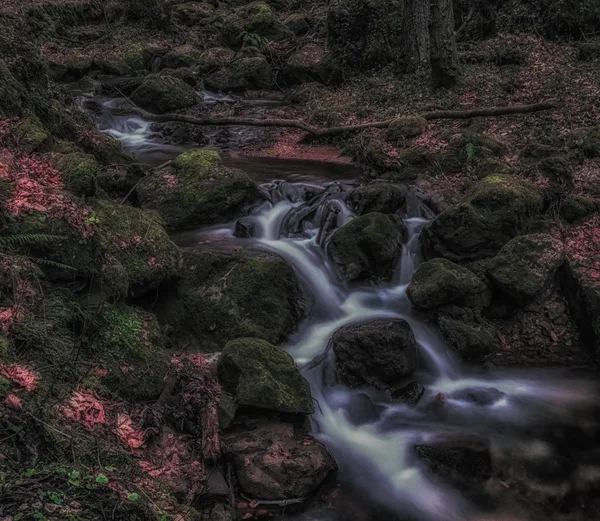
(376, 197)
(182, 56)
(499, 208)
(79, 171)
(263, 376)
(309, 63)
(406, 127)
(526, 264)
(215, 58)
(225, 295)
(368, 246)
(273, 462)
(256, 18)
(468, 333)
(245, 72)
(378, 353)
(164, 93)
(439, 282)
(197, 189)
(194, 13)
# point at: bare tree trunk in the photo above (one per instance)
(416, 33)
(444, 57)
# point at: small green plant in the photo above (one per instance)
(92, 219)
(55, 497)
(101, 479)
(134, 496)
(470, 149)
(251, 40)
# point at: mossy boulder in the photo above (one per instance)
(309, 63)
(255, 18)
(591, 142)
(499, 208)
(183, 73)
(368, 246)
(225, 295)
(378, 353)
(526, 264)
(128, 344)
(164, 93)
(578, 206)
(248, 71)
(79, 172)
(467, 333)
(194, 13)
(376, 197)
(31, 134)
(406, 127)
(264, 376)
(182, 56)
(297, 23)
(439, 282)
(129, 58)
(197, 189)
(215, 58)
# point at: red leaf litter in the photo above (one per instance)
(21, 375)
(36, 187)
(128, 433)
(583, 247)
(13, 402)
(22, 297)
(85, 408)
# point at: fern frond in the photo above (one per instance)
(53, 264)
(23, 239)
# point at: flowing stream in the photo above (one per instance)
(371, 437)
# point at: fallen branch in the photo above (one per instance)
(331, 131)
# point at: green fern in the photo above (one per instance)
(24, 239)
(52, 263)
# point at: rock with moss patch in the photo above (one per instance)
(578, 206)
(378, 353)
(467, 333)
(129, 58)
(215, 58)
(297, 23)
(197, 189)
(439, 282)
(183, 73)
(79, 172)
(368, 246)
(376, 197)
(164, 93)
(182, 56)
(499, 208)
(256, 19)
(225, 295)
(526, 264)
(32, 135)
(264, 376)
(309, 63)
(406, 127)
(249, 71)
(128, 344)
(194, 13)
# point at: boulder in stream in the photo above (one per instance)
(377, 353)
(376, 197)
(526, 264)
(164, 93)
(197, 189)
(499, 208)
(368, 246)
(409, 394)
(247, 71)
(264, 376)
(439, 282)
(276, 463)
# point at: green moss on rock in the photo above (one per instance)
(439, 282)
(467, 333)
(79, 172)
(368, 246)
(526, 264)
(164, 93)
(264, 376)
(496, 210)
(197, 189)
(194, 13)
(224, 295)
(406, 127)
(242, 73)
(128, 344)
(309, 63)
(31, 134)
(183, 56)
(376, 197)
(215, 58)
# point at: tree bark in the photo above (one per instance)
(445, 69)
(415, 33)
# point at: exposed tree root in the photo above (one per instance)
(323, 132)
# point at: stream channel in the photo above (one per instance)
(371, 437)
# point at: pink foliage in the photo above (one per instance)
(128, 433)
(13, 402)
(583, 247)
(430, 142)
(170, 179)
(85, 408)
(21, 375)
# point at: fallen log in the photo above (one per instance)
(331, 131)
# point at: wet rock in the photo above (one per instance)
(164, 94)
(463, 460)
(526, 264)
(368, 246)
(361, 409)
(376, 197)
(409, 394)
(224, 295)
(263, 376)
(227, 410)
(245, 228)
(406, 127)
(243, 73)
(183, 56)
(467, 333)
(499, 208)
(483, 396)
(273, 462)
(377, 353)
(310, 63)
(197, 189)
(439, 282)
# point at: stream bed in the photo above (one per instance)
(529, 418)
